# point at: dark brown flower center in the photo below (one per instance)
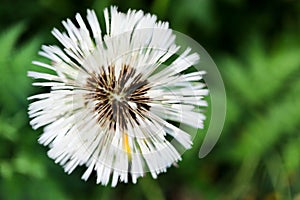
(119, 100)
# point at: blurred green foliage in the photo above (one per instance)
(256, 46)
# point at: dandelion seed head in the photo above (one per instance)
(113, 98)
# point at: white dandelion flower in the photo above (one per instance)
(111, 100)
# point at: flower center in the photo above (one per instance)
(119, 101)
(118, 97)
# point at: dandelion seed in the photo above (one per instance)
(111, 100)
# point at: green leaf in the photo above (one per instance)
(6, 169)
(291, 156)
(151, 189)
(15, 86)
(8, 39)
(27, 164)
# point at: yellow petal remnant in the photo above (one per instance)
(126, 144)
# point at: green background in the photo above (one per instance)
(256, 46)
